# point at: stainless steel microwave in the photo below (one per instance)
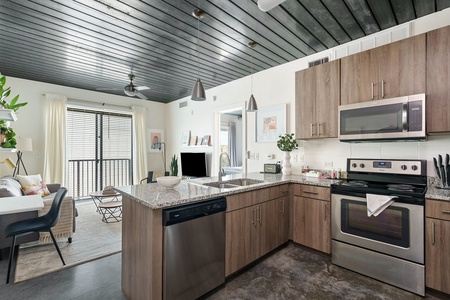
(401, 118)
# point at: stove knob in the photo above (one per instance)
(414, 167)
(361, 165)
(404, 167)
(354, 165)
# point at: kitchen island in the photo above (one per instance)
(142, 223)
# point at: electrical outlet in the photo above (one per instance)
(301, 158)
(256, 155)
(294, 158)
(328, 164)
(251, 156)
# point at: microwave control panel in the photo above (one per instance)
(415, 116)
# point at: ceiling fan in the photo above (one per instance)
(130, 89)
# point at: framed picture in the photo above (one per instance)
(206, 140)
(185, 137)
(270, 123)
(155, 137)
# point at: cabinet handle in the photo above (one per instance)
(312, 131)
(382, 88)
(372, 91)
(260, 216)
(282, 206)
(318, 129)
(312, 193)
(254, 217)
(325, 214)
(433, 233)
(446, 211)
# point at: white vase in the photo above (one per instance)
(287, 170)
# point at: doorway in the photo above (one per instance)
(231, 133)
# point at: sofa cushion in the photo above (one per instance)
(33, 185)
(8, 190)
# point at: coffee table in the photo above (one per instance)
(98, 198)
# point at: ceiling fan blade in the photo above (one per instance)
(140, 88)
(108, 89)
(141, 96)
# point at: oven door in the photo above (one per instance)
(397, 231)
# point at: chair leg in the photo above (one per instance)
(56, 245)
(11, 257)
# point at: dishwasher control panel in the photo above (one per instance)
(192, 211)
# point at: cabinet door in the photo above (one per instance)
(312, 223)
(327, 98)
(241, 226)
(401, 67)
(359, 76)
(268, 222)
(305, 95)
(438, 80)
(283, 220)
(437, 263)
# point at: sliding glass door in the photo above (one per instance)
(99, 150)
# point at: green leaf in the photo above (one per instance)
(2, 81)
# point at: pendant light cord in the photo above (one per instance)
(251, 69)
(198, 47)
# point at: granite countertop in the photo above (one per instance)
(192, 190)
(437, 193)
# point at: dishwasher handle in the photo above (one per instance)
(194, 210)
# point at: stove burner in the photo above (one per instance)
(401, 187)
(357, 183)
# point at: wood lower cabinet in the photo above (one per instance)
(438, 80)
(253, 230)
(437, 245)
(389, 71)
(312, 214)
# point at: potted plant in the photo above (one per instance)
(287, 143)
(174, 166)
(7, 134)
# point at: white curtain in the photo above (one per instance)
(55, 139)
(140, 144)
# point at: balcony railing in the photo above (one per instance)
(85, 177)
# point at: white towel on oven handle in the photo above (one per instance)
(377, 203)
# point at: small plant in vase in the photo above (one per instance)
(7, 134)
(174, 166)
(287, 143)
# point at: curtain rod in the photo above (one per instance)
(103, 105)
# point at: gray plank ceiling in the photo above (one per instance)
(94, 44)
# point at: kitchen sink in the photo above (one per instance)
(234, 183)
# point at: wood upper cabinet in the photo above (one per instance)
(437, 245)
(317, 92)
(393, 70)
(312, 214)
(438, 80)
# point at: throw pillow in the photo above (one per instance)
(33, 185)
(7, 190)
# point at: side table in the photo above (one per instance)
(98, 198)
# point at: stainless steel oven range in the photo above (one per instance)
(388, 247)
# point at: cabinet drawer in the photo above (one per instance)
(437, 209)
(312, 191)
(241, 200)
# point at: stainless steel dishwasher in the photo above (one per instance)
(194, 249)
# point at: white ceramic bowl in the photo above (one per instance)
(168, 181)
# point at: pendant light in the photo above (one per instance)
(198, 92)
(252, 106)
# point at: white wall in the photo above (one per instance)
(30, 121)
(277, 85)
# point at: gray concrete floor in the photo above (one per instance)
(292, 272)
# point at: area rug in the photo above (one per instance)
(92, 240)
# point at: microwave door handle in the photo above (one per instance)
(405, 117)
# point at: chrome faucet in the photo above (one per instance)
(221, 171)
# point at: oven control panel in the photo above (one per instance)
(405, 167)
